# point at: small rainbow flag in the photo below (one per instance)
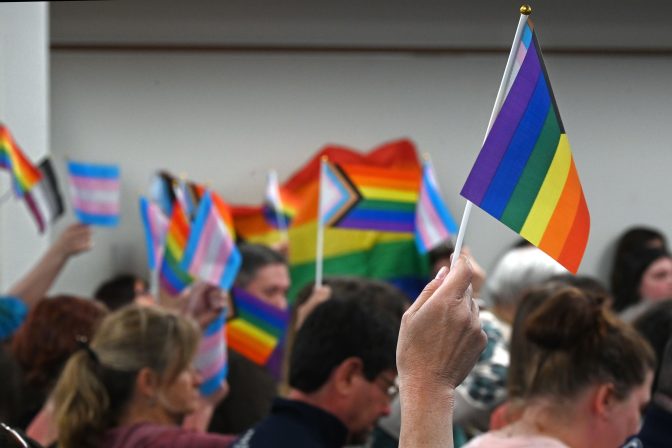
(525, 175)
(24, 174)
(256, 328)
(210, 252)
(172, 278)
(155, 225)
(434, 224)
(365, 197)
(95, 191)
(211, 359)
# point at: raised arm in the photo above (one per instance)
(33, 286)
(439, 342)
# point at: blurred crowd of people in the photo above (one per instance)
(523, 356)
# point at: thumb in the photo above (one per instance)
(429, 289)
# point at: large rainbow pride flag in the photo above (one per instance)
(366, 197)
(525, 175)
(384, 255)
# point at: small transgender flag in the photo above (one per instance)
(155, 225)
(95, 193)
(211, 359)
(211, 253)
(434, 224)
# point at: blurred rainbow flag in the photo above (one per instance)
(384, 255)
(525, 175)
(172, 278)
(24, 174)
(364, 197)
(257, 328)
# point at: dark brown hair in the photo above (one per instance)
(579, 342)
(48, 337)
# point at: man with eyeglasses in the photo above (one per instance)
(342, 378)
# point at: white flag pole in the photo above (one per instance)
(319, 256)
(279, 216)
(525, 11)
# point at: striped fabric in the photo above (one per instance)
(368, 198)
(155, 225)
(210, 252)
(256, 328)
(211, 359)
(95, 191)
(525, 174)
(434, 224)
(276, 212)
(45, 201)
(24, 174)
(172, 278)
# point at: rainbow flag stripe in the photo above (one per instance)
(366, 197)
(25, 175)
(256, 328)
(525, 174)
(172, 277)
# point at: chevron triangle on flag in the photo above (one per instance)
(338, 195)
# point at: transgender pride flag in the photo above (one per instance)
(94, 190)
(433, 222)
(211, 358)
(155, 225)
(211, 253)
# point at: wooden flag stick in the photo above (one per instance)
(525, 11)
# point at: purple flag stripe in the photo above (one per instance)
(502, 131)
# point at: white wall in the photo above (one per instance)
(226, 118)
(24, 85)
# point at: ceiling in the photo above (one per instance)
(395, 24)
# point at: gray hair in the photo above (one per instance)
(518, 270)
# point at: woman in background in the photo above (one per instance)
(588, 378)
(133, 385)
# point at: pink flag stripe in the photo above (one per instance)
(222, 255)
(204, 244)
(213, 249)
(432, 223)
(98, 208)
(93, 183)
(212, 369)
(211, 342)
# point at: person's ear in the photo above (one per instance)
(346, 374)
(604, 399)
(147, 383)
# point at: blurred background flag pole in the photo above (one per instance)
(525, 11)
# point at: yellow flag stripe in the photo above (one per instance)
(549, 194)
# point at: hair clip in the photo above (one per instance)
(83, 343)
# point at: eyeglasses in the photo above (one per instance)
(390, 388)
(21, 442)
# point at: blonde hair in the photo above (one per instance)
(98, 382)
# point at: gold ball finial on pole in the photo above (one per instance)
(526, 10)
